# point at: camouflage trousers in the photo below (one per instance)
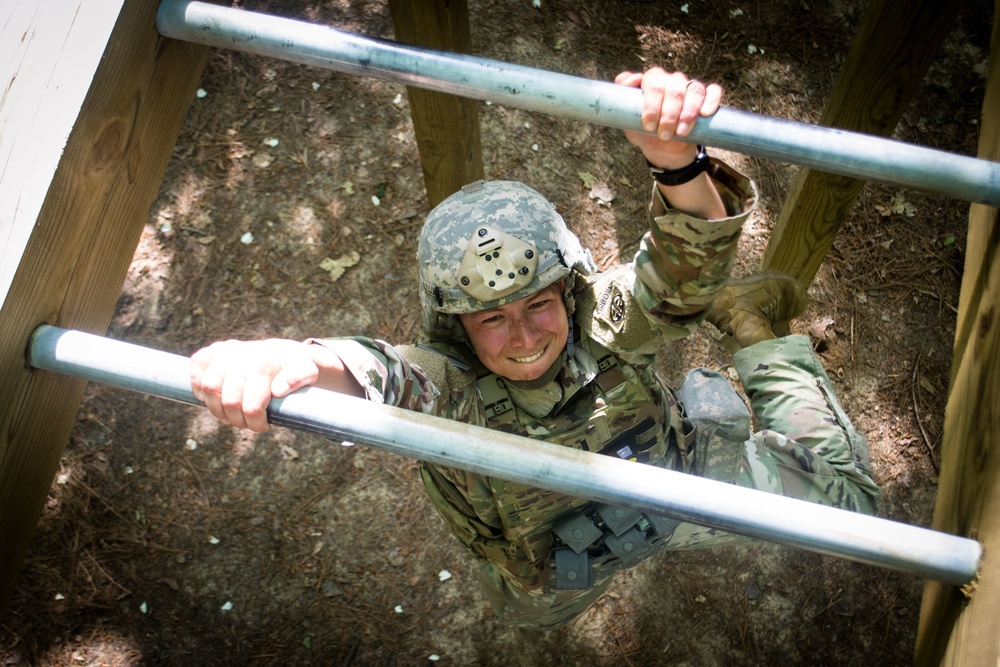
(806, 448)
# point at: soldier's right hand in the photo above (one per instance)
(237, 379)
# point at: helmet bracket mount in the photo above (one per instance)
(496, 264)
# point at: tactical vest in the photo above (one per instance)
(616, 414)
(565, 542)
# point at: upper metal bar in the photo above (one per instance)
(852, 154)
(889, 544)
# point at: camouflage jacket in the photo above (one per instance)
(604, 394)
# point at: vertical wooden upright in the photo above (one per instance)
(963, 628)
(447, 127)
(895, 44)
(66, 258)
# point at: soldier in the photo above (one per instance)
(520, 332)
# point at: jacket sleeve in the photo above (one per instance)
(681, 265)
(684, 261)
(406, 377)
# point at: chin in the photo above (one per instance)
(525, 375)
(533, 371)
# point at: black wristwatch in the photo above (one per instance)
(684, 174)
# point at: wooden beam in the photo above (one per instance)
(35, 117)
(963, 627)
(93, 202)
(889, 57)
(447, 127)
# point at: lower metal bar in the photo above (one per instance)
(841, 152)
(826, 530)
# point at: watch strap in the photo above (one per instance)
(681, 176)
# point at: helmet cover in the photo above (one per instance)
(489, 244)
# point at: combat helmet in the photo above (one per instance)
(489, 244)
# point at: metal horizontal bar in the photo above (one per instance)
(826, 530)
(841, 152)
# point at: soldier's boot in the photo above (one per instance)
(757, 308)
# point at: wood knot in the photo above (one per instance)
(109, 149)
(985, 322)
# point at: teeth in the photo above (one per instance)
(528, 360)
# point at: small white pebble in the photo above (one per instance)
(272, 142)
(63, 478)
(399, 609)
(247, 238)
(166, 228)
(128, 470)
(433, 657)
(315, 85)
(143, 607)
(60, 596)
(444, 575)
(376, 201)
(398, 99)
(212, 539)
(227, 607)
(191, 444)
(536, 3)
(736, 12)
(534, 147)
(201, 93)
(686, 8)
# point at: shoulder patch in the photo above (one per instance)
(607, 312)
(610, 308)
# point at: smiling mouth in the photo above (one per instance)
(528, 360)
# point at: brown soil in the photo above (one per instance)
(285, 549)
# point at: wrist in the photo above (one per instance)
(693, 164)
(675, 159)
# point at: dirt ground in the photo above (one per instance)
(169, 539)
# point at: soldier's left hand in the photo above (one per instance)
(671, 105)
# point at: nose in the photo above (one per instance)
(524, 334)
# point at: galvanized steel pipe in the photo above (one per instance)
(827, 149)
(889, 544)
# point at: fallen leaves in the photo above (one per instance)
(337, 267)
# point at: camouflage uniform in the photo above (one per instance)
(547, 556)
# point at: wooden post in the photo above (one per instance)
(447, 127)
(963, 627)
(73, 242)
(894, 46)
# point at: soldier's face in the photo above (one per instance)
(520, 340)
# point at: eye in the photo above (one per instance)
(490, 320)
(538, 305)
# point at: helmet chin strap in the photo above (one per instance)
(569, 337)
